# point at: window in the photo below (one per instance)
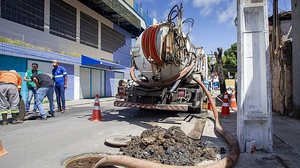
(88, 30)
(111, 40)
(26, 12)
(62, 19)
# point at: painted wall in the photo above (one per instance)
(122, 55)
(69, 91)
(110, 86)
(76, 90)
(55, 43)
(46, 67)
(18, 64)
(296, 56)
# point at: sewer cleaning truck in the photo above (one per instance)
(165, 62)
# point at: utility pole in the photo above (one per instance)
(218, 56)
(275, 33)
(296, 57)
(254, 80)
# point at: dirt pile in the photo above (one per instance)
(170, 147)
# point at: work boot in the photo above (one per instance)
(16, 119)
(51, 113)
(4, 119)
(58, 110)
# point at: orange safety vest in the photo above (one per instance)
(11, 77)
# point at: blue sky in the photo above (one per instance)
(214, 19)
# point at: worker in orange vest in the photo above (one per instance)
(10, 86)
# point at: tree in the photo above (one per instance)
(229, 59)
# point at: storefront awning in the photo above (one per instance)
(85, 60)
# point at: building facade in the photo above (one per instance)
(91, 38)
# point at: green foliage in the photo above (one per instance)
(229, 59)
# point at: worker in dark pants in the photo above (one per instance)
(10, 86)
(60, 78)
(45, 87)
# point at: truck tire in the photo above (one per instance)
(22, 111)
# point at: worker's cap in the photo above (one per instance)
(54, 62)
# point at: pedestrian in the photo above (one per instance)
(31, 87)
(45, 88)
(10, 86)
(60, 78)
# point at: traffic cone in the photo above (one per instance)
(2, 150)
(209, 105)
(96, 114)
(233, 104)
(225, 106)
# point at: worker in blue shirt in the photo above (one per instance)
(60, 78)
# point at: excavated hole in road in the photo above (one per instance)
(88, 160)
(167, 146)
(170, 146)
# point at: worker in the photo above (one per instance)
(10, 86)
(60, 78)
(31, 86)
(45, 88)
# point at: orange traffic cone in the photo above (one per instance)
(96, 114)
(233, 104)
(208, 106)
(2, 150)
(225, 106)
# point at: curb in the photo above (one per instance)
(92, 101)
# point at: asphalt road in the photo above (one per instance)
(47, 144)
(44, 144)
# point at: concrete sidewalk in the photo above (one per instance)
(288, 131)
(74, 103)
(286, 144)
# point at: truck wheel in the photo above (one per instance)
(22, 111)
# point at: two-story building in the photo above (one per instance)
(91, 38)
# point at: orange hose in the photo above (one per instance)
(144, 43)
(152, 46)
(149, 44)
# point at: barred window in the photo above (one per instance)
(88, 30)
(26, 12)
(62, 19)
(111, 40)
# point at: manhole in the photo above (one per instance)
(88, 160)
(118, 140)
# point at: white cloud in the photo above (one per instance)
(177, 2)
(228, 14)
(153, 13)
(206, 6)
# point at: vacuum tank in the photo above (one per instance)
(165, 61)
